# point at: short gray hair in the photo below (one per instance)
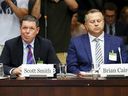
(92, 11)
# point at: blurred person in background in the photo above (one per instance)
(124, 15)
(55, 20)
(123, 20)
(112, 25)
(110, 15)
(11, 11)
(77, 24)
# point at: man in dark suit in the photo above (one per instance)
(112, 25)
(87, 52)
(111, 21)
(15, 50)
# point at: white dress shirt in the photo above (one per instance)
(25, 51)
(93, 46)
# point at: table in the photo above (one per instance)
(112, 87)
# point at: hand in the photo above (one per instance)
(17, 71)
(20, 78)
(81, 74)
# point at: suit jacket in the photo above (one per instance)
(79, 53)
(120, 29)
(12, 54)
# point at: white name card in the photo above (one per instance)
(39, 70)
(113, 70)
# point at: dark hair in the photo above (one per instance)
(81, 15)
(30, 18)
(123, 14)
(110, 6)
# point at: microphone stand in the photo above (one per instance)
(120, 54)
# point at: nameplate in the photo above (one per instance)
(36, 70)
(118, 70)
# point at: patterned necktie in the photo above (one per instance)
(30, 59)
(98, 53)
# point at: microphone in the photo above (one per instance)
(120, 55)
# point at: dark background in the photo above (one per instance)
(87, 4)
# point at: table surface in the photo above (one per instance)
(66, 82)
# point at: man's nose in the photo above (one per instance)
(28, 30)
(96, 23)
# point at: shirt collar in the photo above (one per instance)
(25, 44)
(101, 37)
(111, 25)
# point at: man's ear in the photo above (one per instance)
(85, 25)
(38, 29)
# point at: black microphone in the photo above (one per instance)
(120, 55)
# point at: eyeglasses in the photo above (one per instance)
(110, 16)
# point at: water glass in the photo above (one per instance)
(62, 68)
(1, 70)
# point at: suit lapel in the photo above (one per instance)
(105, 28)
(116, 29)
(86, 45)
(19, 48)
(36, 50)
(106, 48)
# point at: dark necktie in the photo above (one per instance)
(30, 57)
(98, 53)
(110, 30)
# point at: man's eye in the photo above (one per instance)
(98, 21)
(25, 28)
(92, 21)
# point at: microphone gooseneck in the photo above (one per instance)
(120, 55)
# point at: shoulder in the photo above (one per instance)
(79, 38)
(114, 39)
(13, 41)
(42, 41)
